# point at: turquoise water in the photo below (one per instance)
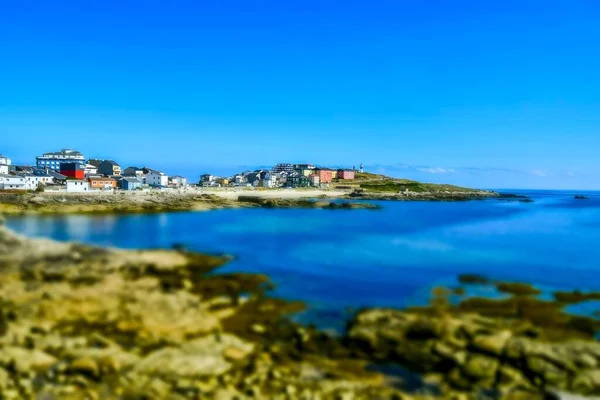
(337, 260)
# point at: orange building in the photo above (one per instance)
(325, 175)
(102, 183)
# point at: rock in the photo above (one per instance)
(25, 360)
(481, 367)
(548, 371)
(586, 361)
(587, 382)
(450, 353)
(85, 366)
(290, 390)
(109, 360)
(510, 377)
(234, 354)
(493, 344)
(479, 352)
(258, 329)
(227, 394)
(198, 358)
(5, 380)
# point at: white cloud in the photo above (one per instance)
(538, 172)
(436, 170)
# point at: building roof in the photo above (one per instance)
(131, 179)
(101, 178)
(253, 176)
(42, 173)
(24, 168)
(111, 162)
(150, 170)
(63, 152)
(56, 175)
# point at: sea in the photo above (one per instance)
(339, 261)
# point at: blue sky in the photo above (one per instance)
(479, 93)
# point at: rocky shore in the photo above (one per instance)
(82, 322)
(518, 347)
(54, 203)
(424, 196)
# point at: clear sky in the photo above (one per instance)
(480, 93)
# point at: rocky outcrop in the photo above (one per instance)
(304, 203)
(423, 195)
(80, 322)
(467, 351)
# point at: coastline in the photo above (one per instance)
(204, 200)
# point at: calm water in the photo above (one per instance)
(337, 260)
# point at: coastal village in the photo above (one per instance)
(70, 171)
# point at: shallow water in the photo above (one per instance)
(338, 260)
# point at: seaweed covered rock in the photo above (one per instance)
(468, 350)
(80, 322)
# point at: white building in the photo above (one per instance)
(177, 181)
(155, 178)
(270, 180)
(240, 180)
(77, 186)
(12, 182)
(32, 182)
(314, 180)
(90, 169)
(281, 177)
(53, 160)
(4, 163)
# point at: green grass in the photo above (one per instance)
(389, 185)
(385, 184)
